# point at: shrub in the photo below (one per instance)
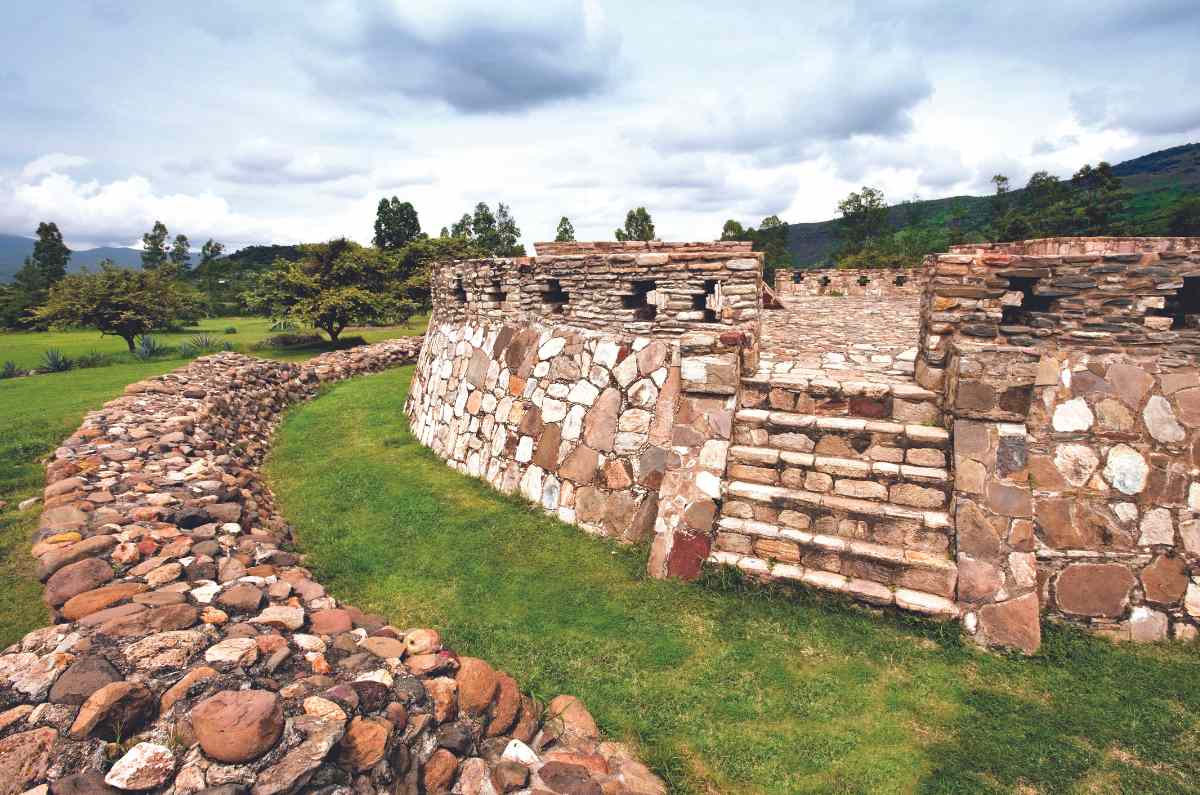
(349, 342)
(835, 294)
(289, 341)
(148, 347)
(187, 350)
(231, 329)
(55, 361)
(94, 359)
(10, 370)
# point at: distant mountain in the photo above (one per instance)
(1155, 180)
(14, 249)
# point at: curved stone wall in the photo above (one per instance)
(192, 651)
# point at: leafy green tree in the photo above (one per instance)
(44, 268)
(181, 252)
(771, 240)
(864, 218)
(733, 230)
(336, 284)
(396, 224)
(492, 234)
(1099, 201)
(956, 223)
(565, 232)
(154, 247)
(638, 226)
(209, 271)
(120, 302)
(1185, 217)
(211, 251)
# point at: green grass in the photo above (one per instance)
(38, 412)
(723, 687)
(26, 348)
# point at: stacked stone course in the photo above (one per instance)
(855, 282)
(193, 653)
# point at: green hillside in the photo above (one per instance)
(1155, 181)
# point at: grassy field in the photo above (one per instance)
(27, 348)
(38, 412)
(724, 687)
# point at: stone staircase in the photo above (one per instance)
(842, 486)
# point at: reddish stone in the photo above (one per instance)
(24, 758)
(101, 598)
(580, 465)
(1009, 500)
(330, 622)
(477, 683)
(1094, 589)
(1014, 624)
(114, 712)
(687, 556)
(507, 705)
(978, 535)
(439, 772)
(978, 581)
(76, 578)
(238, 725)
(1165, 580)
(545, 454)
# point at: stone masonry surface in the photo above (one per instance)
(193, 653)
(854, 282)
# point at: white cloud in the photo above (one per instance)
(53, 162)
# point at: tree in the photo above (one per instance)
(332, 286)
(565, 232)
(771, 240)
(1099, 201)
(491, 234)
(733, 230)
(638, 226)
(154, 247)
(44, 268)
(119, 302)
(396, 224)
(1000, 202)
(1185, 217)
(180, 253)
(210, 252)
(864, 218)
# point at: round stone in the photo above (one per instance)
(238, 725)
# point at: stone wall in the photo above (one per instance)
(1071, 371)
(192, 651)
(598, 381)
(873, 282)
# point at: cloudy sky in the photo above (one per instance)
(276, 121)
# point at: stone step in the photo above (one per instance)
(902, 402)
(859, 588)
(844, 437)
(882, 522)
(773, 458)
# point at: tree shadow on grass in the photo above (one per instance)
(1084, 715)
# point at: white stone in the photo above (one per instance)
(1191, 602)
(713, 455)
(233, 651)
(1161, 422)
(1023, 566)
(636, 420)
(1194, 497)
(308, 642)
(626, 372)
(552, 347)
(1126, 470)
(1146, 625)
(519, 752)
(1189, 531)
(1076, 462)
(550, 492)
(606, 354)
(1073, 415)
(644, 393)
(709, 484)
(553, 410)
(1157, 528)
(378, 675)
(525, 450)
(583, 393)
(1126, 511)
(573, 423)
(144, 766)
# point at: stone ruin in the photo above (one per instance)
(192, 651)
(1010, 432)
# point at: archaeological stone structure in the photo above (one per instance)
(192, 651)
(1008, 434)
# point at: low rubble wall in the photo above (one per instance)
(192, 651)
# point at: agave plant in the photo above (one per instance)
(284, 324)
(148, 347)
(55, 361)
(10, 370)
(93, 358)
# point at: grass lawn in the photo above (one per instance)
(38, 412)
(724, 687)
(26, 348)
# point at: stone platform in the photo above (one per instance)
(851, 338)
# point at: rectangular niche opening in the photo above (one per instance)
(554, 298)
(495, 292)
(1030, 302)
(459, 293)
(1184, 306)
(707, 301)
(642, 301)
(797, 277)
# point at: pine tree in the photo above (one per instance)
(566, 231)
